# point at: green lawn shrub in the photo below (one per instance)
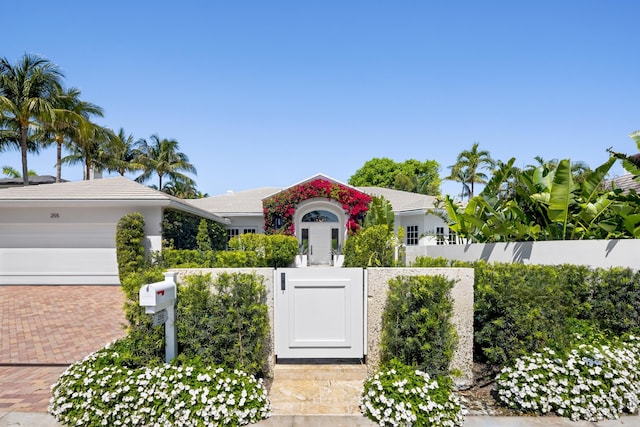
(187, 258)
(237, 259)
(130, 251)
(373, 246)
(180, 231)
(416, 323)
(224, 322)
(271, 250)
(521, 309)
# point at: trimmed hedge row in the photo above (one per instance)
(520, 309)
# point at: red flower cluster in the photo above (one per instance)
(280, 209)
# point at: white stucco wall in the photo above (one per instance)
(427, 226)
(594, 253)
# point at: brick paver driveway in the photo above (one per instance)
(43, 329)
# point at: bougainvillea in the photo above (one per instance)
(280, 208)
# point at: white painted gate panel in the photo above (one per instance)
(319, 313)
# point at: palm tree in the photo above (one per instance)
(461, 175)
(183, 190)
(27, 92)
(163, 158)
(11, 172)
(120, 153)
(470, 162)
(87, 146)
(71, 114)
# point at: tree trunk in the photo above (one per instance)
(23, 150)
(58, 158)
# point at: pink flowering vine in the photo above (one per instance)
(279, 209)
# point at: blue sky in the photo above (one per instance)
(267, 93)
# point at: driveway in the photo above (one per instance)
(43, 329)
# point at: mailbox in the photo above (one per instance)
(158, 296)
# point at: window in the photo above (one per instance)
(412, 235)
(234, 232)
(320, 216)
(440, 235)
(453, 238)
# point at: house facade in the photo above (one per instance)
(64, 233)
(320, 210)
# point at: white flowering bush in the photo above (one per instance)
(101, 391)
(592, 382)
(400, 395)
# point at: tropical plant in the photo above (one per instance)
(119, 153)
(468, 167)
(380, 212)
(87, 146)
(161, 157)
(27, 94)
(537, 204)
(11, 172)
(72, 116)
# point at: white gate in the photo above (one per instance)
(320, 313)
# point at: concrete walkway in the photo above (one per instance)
(15, 419)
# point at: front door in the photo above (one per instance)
(319, 313)
(319, 234)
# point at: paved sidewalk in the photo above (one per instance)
(45, 329)
(44, 420)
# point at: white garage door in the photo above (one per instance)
(83, 235)
(58, 254)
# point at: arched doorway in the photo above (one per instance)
(320, 225)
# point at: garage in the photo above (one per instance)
(64, 233)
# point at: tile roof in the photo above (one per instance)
(402, 201)
(115, 189)
(249, 202)
(240, 202)
(624, 182)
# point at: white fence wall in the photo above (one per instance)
(593, 253)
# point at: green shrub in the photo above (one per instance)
(614, 302)
(416, 323)
(281, 250)
(399, 395)
(224, 322)
(187, 258)
(180, 231)
(203, 240)
(372, 246)
(146, 342)
(130, 251)
(429, 262)
(269, 250)
(236, 259)
(520, 309)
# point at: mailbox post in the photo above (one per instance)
(159, 298)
